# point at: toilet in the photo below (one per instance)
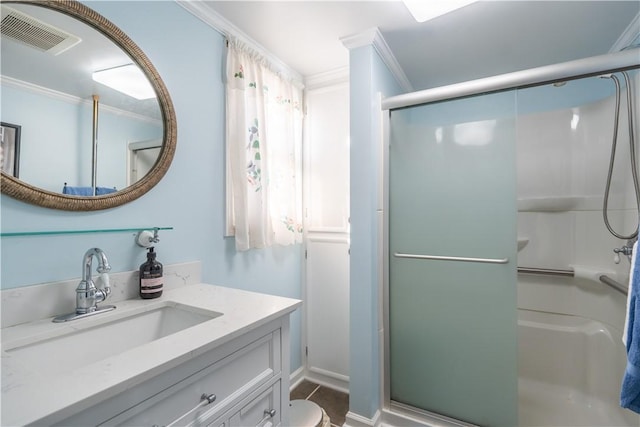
(304, 413)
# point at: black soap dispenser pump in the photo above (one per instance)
(151, 281)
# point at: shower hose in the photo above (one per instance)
(632, 154)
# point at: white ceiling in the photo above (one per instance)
(483, 39)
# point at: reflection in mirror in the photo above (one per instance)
(142, 157)
(75, 131)
(49, 94)
(10, 148)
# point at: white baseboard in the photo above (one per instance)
(354, 420)
(328, 379)
(296, 378)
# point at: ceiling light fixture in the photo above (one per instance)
(424, 10)
(127, 79)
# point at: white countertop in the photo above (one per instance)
(29, 396)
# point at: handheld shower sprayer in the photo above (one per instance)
(626, 250)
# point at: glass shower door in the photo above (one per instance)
(452, 267)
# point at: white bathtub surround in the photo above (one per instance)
(54, 396)
(569, 371)
(571, 358)
(591, 274)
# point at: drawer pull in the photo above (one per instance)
(268, 413)
(205, 400)
(209, 398)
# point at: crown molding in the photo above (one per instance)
(72, 99)
(373, 37)
(628, 36)
(327, 78)
(216, 21)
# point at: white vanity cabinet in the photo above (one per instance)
(239, 353)
(248, 376)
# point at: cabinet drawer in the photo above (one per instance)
(262, 411)
(229, 379)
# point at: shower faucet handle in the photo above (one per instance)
(625, 250)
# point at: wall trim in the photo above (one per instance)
(72, 99)
(628, 35)
(374, 37)
(296, 378)
(341, 239)
(225, 27)
(328, 379)
(327, 78)
(354, 420)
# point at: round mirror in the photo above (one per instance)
(71, 138)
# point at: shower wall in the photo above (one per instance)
(563, 151)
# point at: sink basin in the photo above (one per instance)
(92, 340)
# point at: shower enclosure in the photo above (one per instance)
(497, 284)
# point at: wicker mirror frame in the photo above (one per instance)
(30, 194)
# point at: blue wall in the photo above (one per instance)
(369, 77)
(188, 54)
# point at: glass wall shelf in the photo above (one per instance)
(62, 232)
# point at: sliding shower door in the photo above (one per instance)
(452, 268)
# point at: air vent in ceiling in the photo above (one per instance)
(30, 31)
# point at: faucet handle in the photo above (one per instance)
(625, 250)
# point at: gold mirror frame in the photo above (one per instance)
(27, 193)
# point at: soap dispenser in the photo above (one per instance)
(151, 281)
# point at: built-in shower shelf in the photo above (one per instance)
(547, 204)
(522, 243)
(559, 203)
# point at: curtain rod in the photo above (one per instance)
(229, 30)
(594, 65)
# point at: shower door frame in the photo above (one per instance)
(396, 413)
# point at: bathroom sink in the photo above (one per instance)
(92, 340)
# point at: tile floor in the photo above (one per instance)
(335, 403)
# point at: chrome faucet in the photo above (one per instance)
(87, 294)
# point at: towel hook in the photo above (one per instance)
(146, 238)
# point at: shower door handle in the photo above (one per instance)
(453, 258)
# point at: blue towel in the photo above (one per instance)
(630, 394)
(104, 190)
(86, 191)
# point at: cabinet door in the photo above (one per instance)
(263, 411)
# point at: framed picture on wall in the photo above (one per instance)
(10, 148)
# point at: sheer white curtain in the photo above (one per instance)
(264, 144)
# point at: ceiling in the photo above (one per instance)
(483, 39)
